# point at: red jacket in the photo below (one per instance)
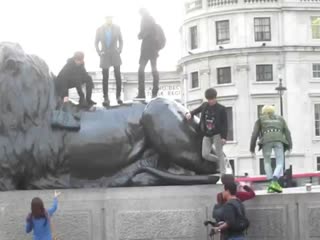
(242, 196)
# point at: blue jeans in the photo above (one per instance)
(236, 238)
(279, 154)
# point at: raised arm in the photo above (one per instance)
(29, 224)
(247, 195)
(197, 110)
(54, 207)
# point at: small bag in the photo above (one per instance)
(62, 118)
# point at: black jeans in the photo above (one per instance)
(77, 83)
(105, 81)
(141, 76)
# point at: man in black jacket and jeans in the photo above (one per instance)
(214, 127)
(149, 52)
(74, 75)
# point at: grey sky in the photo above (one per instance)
(54, 29)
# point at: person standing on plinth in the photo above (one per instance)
(274, 134)
(109, 38)
(153, 40)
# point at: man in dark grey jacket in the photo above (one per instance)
(74, 75)
(149, 52)
(110, 39)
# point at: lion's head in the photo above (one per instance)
(28, 147)
(26, 89)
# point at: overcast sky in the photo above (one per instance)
(54, 29)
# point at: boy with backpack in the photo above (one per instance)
(235, 222)
(153, 40)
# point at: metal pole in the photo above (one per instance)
(281, 112)
(281, 105)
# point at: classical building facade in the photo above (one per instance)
(170, 86)
(242, 48)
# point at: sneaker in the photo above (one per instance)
(275, 186)
(119, 101)
(90, 102)
(270, 190)
(83, 104)
(106, 103)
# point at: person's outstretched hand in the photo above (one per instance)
(56, 194)
(188, 116)
(246, 188)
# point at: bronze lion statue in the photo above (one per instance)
(130, 145)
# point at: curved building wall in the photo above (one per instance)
(242, 48)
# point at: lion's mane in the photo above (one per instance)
(29, 149)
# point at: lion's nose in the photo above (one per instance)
(10, 64)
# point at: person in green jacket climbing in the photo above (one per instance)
(273, 134)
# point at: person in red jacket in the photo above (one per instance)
(245, 195)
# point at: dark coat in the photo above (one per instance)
(149, 45)
(70, 76)
(109, 56)
(221, 115)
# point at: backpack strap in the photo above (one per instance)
(239, 209)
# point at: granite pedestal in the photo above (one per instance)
(160, 213)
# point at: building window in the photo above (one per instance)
(316, 70)
(224, 75)
(315, 26)
(194, 37)
(259, 110)
(318, 163)
(194, 80)
(264, 73)
(317, 119)
(262, 29)
(262, 170)
(230, 136)
(222, 32)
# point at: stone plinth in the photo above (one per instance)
(160, 213)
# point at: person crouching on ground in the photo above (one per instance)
(274, 134)
(214, 128)
(39, 218)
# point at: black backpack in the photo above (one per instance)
(242, 222)
(160, 37)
